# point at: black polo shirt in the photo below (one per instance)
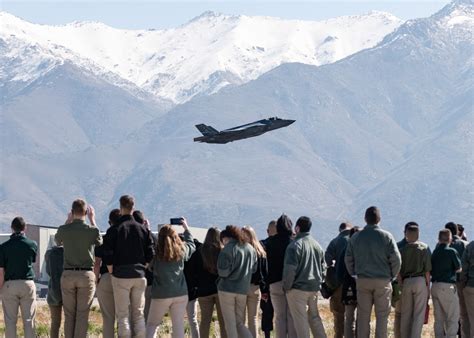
(17, 256)
(445, 262)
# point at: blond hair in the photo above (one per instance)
(251, 238)
(170, 247)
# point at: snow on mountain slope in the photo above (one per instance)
(207, 53)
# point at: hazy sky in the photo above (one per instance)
(165, 14)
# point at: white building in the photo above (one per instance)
(44, 236)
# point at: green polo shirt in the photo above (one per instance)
(416, 260)
(17, 256)
(79, 240)
(445, 262)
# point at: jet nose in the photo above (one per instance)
(288, 122)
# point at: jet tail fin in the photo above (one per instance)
(206, 130)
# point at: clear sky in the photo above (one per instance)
(166, 14)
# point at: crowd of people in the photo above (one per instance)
(138, 277)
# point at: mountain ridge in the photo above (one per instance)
(207, 53)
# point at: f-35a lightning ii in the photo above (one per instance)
(253, 129)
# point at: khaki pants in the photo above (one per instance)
(337, 309)
(253, 302)
(349, 321)
(377, 293)
(129, 297)
(397, 319)
(284, 326)
(469, 299)
(303, 306)
(191, 312)
(446, 309)
(414, 300)
(465, 325)
(233, 311)
(105, 296)
(147, 302)
(158, 308)
(206, 304)
(19, 294)
(56, 315)
(78, 288)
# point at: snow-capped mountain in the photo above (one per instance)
(390, 125)
(200, 57)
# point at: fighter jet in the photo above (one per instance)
(211, 135)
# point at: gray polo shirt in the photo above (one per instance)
(304, 266)
(373, 253)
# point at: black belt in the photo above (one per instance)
(28, 279)
(412, 276)
(78, 269)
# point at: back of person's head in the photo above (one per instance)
(170, 247)
(453, 227)
(445, 236)
(303, 224)
(233, 232)
(127, 203)
(372, 215)
(79, 207)
(353, 231)
(18, 224)
(412, 233)
(345, 226)
(114, 217)
(411, 223)
(271, 229)
(138, 216)
(210, 250)
(251, 238)
(461, 232)
(284, 226)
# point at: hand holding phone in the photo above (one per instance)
(176, 221)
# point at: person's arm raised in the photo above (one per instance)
(91, 215)
(188, 240)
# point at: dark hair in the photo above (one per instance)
(79, 207)
(304, 223)
(372, 215)
(453, 227)
(284, 226)
(444, 235)
(210, 250)
(231, 231)
(344, 226)
(354, 230)
(411, 223)
(413, 230)
(18, 224)
(114, 217)
(139, 217)
(127, 202)
(460, 228)
(272, 223)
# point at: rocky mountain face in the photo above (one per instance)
(390, 126)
